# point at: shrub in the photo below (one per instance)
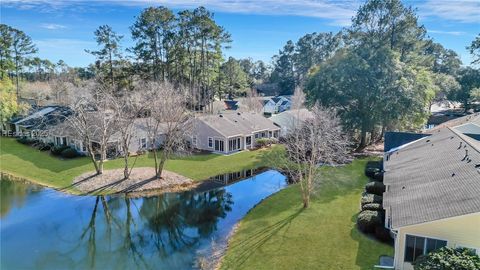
(26, 141)
(371, 198)
(372, 167)
(69, 153)
(372, 206)
(57, 150)
(449, 258)
(382, 233)
(262, 142)
(376, 188)
(367, 221)
(378, 176)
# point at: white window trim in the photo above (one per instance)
(210, 139)
(424, 244)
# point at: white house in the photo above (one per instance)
(231, 132)
(432, 196)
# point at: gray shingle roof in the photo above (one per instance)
(289, 118)
(433, 178)
(231, 124)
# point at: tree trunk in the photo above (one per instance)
(160, 166)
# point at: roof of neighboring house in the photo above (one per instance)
(276, 99)
(289, 118)
(433, 178)
(232, 124)
(42, 117)
(396, 139)
(285, 102)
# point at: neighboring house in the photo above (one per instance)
(231, 132)
(288, 119)
(268, 106)
(432, 196)
(39, 118)
(63, 135)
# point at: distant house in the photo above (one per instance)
(276, 104)
(288, 119)
(231, 132)
(432, 196)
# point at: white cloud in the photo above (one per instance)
(52, 26)
(466, 11)
(453, 33)
(338, 11)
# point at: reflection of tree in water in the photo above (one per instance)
(14, 193)
(178, 220)
(163, 225)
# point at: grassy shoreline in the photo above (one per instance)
(279, 234)
(44, 169)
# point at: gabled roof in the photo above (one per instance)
(396, 139)
(43, 117)
(290, 118)
(232, 124)
(433, 178)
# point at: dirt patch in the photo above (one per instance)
(141, 180)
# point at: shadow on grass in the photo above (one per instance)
(243, 249)
(369, 249)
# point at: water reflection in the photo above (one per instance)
(50, 230)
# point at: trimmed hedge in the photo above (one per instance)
(376, 188)
(368, 220)
(371, 198)
(382, 233)
(27, 141)
(372, 206)
(448, 258)
(378, 176)
(262, 142)
(69, 153)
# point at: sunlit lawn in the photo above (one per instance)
(29, 163)
(278, 234)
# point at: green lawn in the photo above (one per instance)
(29, 163)
(278, 234)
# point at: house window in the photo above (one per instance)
(275, 134)
(264, 134)
(233, 144)
(269, 134)
(210, 142)
(143, 143)
(219, 145)
(416, 246)
(194, 140)
(248, 140)
(256, 135)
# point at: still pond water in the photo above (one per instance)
(44, 229)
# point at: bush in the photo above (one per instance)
(69, 153)
(448, 258)
(372, 167)
(383, 234)
(371, 198)
(264, 142)
(27, 141)
(42, 146)
(376, 188)
(367, 221)
(57, 150)
(372, 206)
(378, 176)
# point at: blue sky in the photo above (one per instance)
(63, 29)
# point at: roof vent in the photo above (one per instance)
(220, 115)
(460, 146)
(428, 141)
(453, 174)
(466, 155)
(238, 113)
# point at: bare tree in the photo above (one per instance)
(316, 142)
(127, 107)
(94, 120)
(252, 102)
(168, 121)
(298, 99)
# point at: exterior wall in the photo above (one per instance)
(270, 107)
(203, 132)
(463, 231)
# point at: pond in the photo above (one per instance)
(41, 228)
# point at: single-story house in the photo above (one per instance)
(432, 196)
(38, 118)
(62, 134)
(288, 119)
(231, 132)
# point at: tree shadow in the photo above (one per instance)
(247, 247)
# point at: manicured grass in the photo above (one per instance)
(29, 163)
(279, 234)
